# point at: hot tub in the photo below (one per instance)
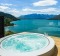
(27, 44)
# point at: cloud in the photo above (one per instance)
(50, 10)
(6, 4)
(9, 10)
(18, 12)
(45, 3)
(41, 10)
(14, 12)
(3, 8)
(27, 9)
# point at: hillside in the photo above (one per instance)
(8, 18)
(57, 17)
(36, 16)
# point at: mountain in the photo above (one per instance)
(57, 17)
(36, 16)
(8, 18)
(6, 15)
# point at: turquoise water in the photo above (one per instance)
(51, 27)
(25, 42)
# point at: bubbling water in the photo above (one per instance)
(25, 42)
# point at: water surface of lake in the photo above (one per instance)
(51, 27)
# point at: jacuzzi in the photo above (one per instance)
(27, 44)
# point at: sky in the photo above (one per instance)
(23, 7)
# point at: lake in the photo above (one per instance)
(51, 27)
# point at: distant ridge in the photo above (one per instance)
(36, 16)
(57, 17)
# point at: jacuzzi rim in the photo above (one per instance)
(6, 37)
(39, 52)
